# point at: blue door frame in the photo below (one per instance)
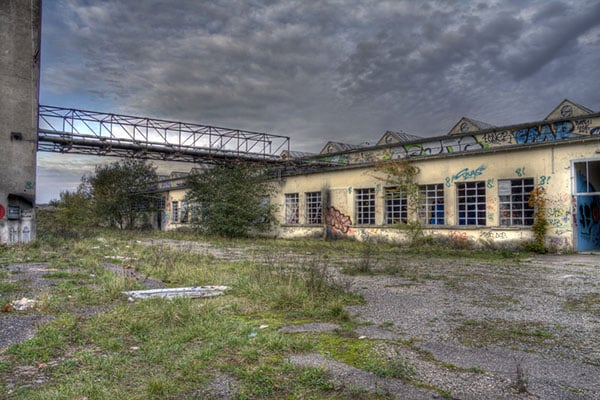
(588, 205)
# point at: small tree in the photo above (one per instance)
(402, 175)
(74, 209)
(120, 191)
(232, 200)
(537, 200)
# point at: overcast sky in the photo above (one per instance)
(315, 71)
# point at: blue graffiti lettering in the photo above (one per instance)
(465, 174)
(545, 133)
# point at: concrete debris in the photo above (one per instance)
(193, 291)
(119, 258)
(23, 304)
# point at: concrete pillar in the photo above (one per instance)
(20, 28)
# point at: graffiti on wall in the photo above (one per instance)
(498, 138)
(465, 174)
(550, 132)
(558, 218)
(559, 243)
(488, 235)
(533, 134)
(459, 236)
(589, 216)
(436, 147)
(338, 221)
(545, 133)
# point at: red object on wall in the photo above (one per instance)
(2, 211)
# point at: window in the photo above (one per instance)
(396, 206)
(471, 203)
(365, 206)
(175, 212)
(313, 208)
(291, 208)
(432, 203)
(513, 196)
(184, 212)
(587, 177)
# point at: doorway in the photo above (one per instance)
(586, 176)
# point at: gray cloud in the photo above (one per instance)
(343, 70)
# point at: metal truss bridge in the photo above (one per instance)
(66, 130)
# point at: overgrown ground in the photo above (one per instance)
(302, 320)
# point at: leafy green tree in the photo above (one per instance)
(74, 209)
(121, 191)
(231, 200)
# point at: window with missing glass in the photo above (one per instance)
(291, 208)
(365, 206)
(513, 202)
(175, 212)
(396, 206)
(313, 208)
(587, 177)
(471, 203)
(432, 203)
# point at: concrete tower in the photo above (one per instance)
(20, 22)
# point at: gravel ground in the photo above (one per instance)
(428, 313)
(474, 330)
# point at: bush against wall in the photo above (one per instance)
(537, 200)
(232, 200)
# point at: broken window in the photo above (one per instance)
(471, 203)
(184, 212)
(291, 208)
(365, 206)
(313, 208)
(587, 177)
(396, 206)
(175, 212)
(513, 196)
(432, 203)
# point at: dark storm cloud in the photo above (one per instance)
(318, 71)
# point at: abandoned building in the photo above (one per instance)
(474, 184)
(19, 85)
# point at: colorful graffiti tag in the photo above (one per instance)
(435, 147)
(338, 221)
(465, 174)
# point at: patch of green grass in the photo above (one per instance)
(514, 334)
(589, 303)
(51, 341)
(365, 355)
(393, 366)
(169, 348)
(5, 366)
(8, 288)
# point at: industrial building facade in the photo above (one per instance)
(474, 185)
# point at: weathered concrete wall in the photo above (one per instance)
(546, 166)
(20, 22)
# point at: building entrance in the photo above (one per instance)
(587, 195)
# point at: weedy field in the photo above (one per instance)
(296, 322)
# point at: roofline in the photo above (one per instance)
(433, 138)
(501, 149)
